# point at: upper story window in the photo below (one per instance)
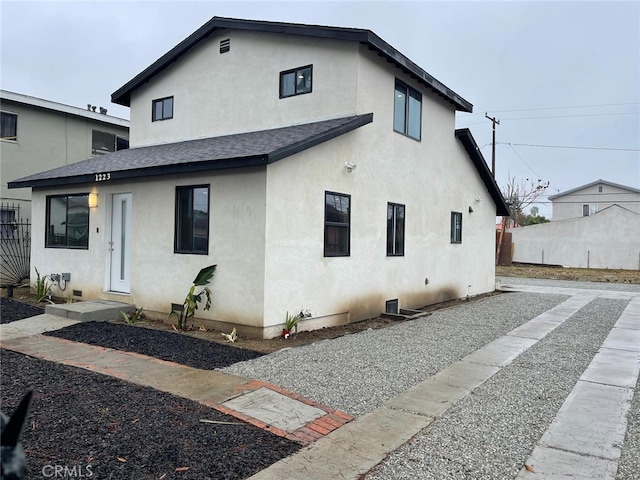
(337, 224)
(68, 221)
(162, 109)
(395, 229)
(296, 81)
(192, 220)
(9, 126)
(456, 227)
(105, 142)
(407, 111)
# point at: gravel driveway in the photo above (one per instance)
(487, 435)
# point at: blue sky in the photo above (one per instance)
(563, 78)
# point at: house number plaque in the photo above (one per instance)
(101, 177)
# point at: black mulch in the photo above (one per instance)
(166, 345)
(120, 431)
(12, 310)
(94, 426)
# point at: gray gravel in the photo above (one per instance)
(358, 373)
(491, 433)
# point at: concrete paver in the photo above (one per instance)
(275, 409)
(549, 463)
(33, 326)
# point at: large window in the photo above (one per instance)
(162, 109)
(192, 219)
(9, 126)
(296, 81)
(105, 142)
(395, 229)
(68, 221)
(456, 227)
(337, 224)
(407, 111)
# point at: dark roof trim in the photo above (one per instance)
(597, 182)
(122, 96)
(470, 145)
(85, 172)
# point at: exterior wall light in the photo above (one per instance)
(93, 200)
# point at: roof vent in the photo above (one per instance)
(225, 45)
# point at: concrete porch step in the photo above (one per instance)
(95, 310)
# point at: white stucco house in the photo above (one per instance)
(317, 167)
(593, 197)
(608, 238)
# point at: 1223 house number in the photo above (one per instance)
(101, 177)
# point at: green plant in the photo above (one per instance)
(133, 317)
(291, 322)
(190, 304)
(41, 288)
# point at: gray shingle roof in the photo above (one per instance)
(229, 151)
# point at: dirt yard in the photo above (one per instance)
(303, 338)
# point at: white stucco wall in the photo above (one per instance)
(159, 276)
(431, 178)
(607, 239)
(570, 205)
(217, 94)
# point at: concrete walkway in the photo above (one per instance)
(582, 442)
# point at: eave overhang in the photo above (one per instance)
(470, 145)
(122, 96)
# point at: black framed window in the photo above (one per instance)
(192, 220)
(106, 142)
(9, 126)
(337, 224)
(67, 221)
(162, 109)
(456, 227)
(407, 111)
(395, 229)
(296, 81)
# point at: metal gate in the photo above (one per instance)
(15, 246)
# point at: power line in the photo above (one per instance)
(573, 116)
(557, 108)
(572, 147)
(523, 161)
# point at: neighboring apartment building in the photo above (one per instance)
(39, 135)
(593, 197)
(317, 167)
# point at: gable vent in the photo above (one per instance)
(225, 45)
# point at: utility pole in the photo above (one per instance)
(495, 122)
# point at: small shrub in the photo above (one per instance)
(133, 317)
(42, 287)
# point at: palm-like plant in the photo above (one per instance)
(192, 299)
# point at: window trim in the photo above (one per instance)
(337, 224)
(592, 209)
(410, 91)
(395, 206)
(456, 234)
(47, 238)
(15, 138)
(153, 109)
(295, 71)
(176, 228)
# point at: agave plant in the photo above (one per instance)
(192, 299)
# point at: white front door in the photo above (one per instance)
(120, 243)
